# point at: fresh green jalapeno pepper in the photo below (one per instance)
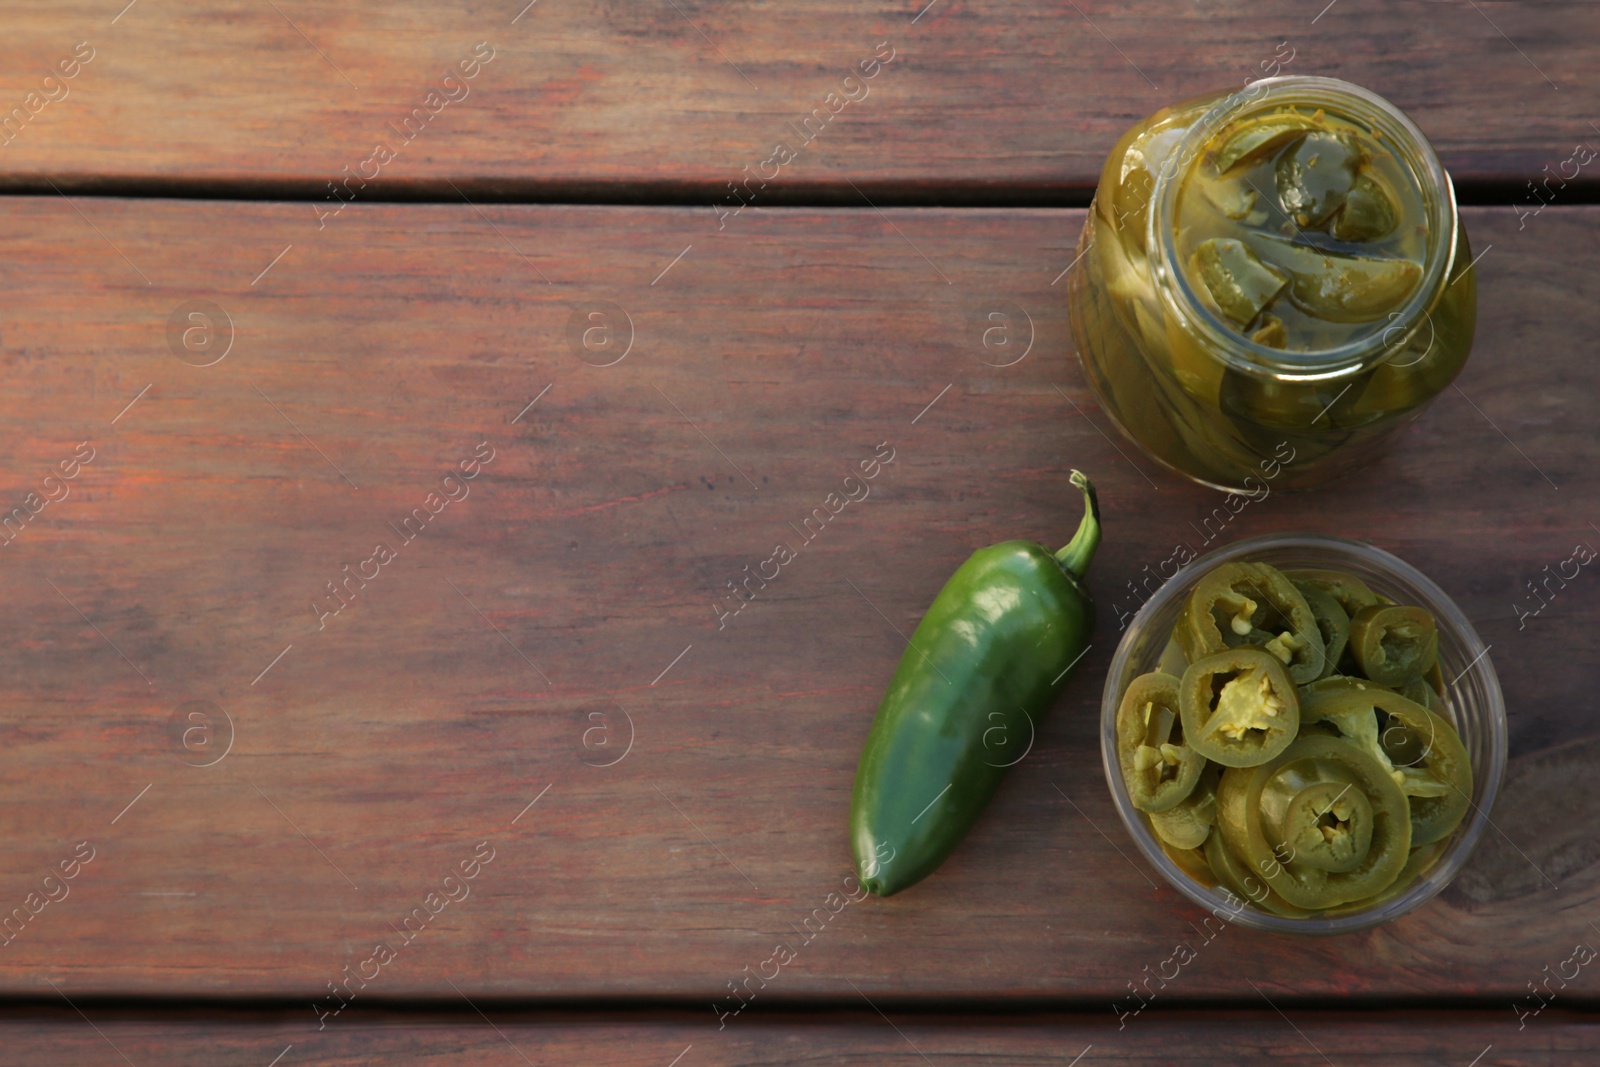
(1188, 823)
(1393, 644)
(1158, 767)
(1252, 604)
(1239, 707)
(988, 659)
(1323, 822)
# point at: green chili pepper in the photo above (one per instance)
(988, 659)
(1419, 691)
(1187, 824)
(1393, 644)
(1159, 768)
(1323, 822)
(1252, 604)
(1238, 707)
(1332, 622)
(1231, 873)
(1351, 592)
(1419, 749)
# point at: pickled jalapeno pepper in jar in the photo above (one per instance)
(1275, 272)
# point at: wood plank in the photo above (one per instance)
(598, 98)
(1250, 1038)
(572, 593)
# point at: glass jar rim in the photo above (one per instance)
(1348, 101)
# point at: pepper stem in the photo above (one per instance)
(1080, 550)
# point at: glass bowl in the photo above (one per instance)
(1472, 698)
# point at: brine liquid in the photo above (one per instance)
(1300, 230)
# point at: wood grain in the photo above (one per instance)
(1251, 1039)
(614, 99)
(572, 591)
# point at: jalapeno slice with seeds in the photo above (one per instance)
(1420, 750)
(1394, 643)
(1253, 604)
(1239, 707)
(1338, 806)
(1323, 821)
(1160, 769)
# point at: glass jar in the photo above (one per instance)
(1202, 394)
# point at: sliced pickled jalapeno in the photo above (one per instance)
(1435, 772)
(1332, 623)
(1238, 879)
(1421, 858)
(1420, 750)
(1324, 792)
(1157, 766)
(1187, 824)
(1351, 592)
(1238, 707)
(1393, 644)
(1291, 225)
(1337, 287)
(1315, 176)
(1250, 141)
(1236, 279)
(1421, 691)
(1354, 719)
(1252, 604)
(1327, 825)
(1297, 819)
(1368, 212)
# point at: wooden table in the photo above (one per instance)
(522, 749)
